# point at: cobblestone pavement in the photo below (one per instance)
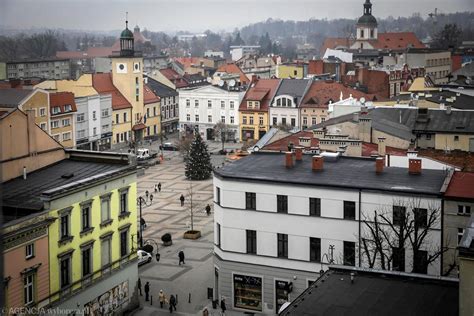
(166, 215)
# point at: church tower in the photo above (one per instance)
(367, 25)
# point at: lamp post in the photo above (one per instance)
(152, 241)
(147, 201)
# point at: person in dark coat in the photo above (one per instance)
(147, 291)
(159, 187)
(223, 307)
(181, 198)
(208, 209)
(181, 257)
(172, 303)
(140, 286)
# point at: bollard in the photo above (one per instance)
(151, 299)
(176, 299)
(189, 298)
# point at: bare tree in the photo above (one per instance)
(223, 131)
(386, 237)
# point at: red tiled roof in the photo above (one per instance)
(62, 99)
(257, 94)
(370, 148)
(282, 144)
(174, 77)
(188, 61)
(149, 96)
(91, 52)
(321, 92)
(399, 40)
(232, 68)
(104, 85)
(461, 185)
(333, 42)
(271, 85)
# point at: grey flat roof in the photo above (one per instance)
(346, 172)
(24, 195)
(376, 293)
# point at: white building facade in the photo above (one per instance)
(203, 107)
(276, 229)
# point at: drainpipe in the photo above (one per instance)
(442, 237)
(360, 204)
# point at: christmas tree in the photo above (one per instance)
(198, 160)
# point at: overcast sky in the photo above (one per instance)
(199, 15)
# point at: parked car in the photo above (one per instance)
(145, 154)
(143, 257)
(169, 146)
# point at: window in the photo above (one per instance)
(218, 196)
(275, 121)
(105, 208)
(313, 121)
(56, 109)
(105, 252)
(222, 104)
(460, 234)
(66, 122)
(349, 210)
(124, 243)
(94, 115)
(314, 207)
(188, 117)
(209, 118)
(323, 119)
(251, 120)
(196, 103)
(428, 136)
(399, 215)
(65, 271)
(188, 103)
(86, 217)
(105, 112)
(223, 119)
(282, 203)
(283, 120)
(371, 33)
(250, 201)
(30, 251)
(42, 111)
(86, 262)
(244, 120)
(154, 111)
(29, 288)
(456, 138)
(278, 103)
(421, 217)
(196, 118)
(218, 241)
(260, 120)
(66, 136)
(464, 210)
(124, 117)
(148, 112)
(420, 261)
(252, 241)
(349, 253)
(117, 118)
(232, 120)
(64, 226)
(293, 122)
(282, 245)
(361, 33)
(123, 201)
(231, 104)
(398, 255)
(305, 121)
(315, 249)
(43, 126)
(55, 124)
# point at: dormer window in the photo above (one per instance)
(67, 108)
(56, 110)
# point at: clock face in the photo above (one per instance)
(122, 68)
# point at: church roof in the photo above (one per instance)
(126, 34)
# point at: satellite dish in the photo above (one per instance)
(209, 79)
(232, 83)
(220, 83)
(362, 100)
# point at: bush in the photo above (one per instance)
(166, 237)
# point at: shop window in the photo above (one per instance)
(247, 292)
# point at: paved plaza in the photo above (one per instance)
(165, 215)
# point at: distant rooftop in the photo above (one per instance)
(345, 172)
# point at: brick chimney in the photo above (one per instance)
(381, 150)
(414, 166)
(299, 153)
(318, 162)
(379, 164)
(289, 159)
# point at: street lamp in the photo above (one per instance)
(152, 241)
(147, 201)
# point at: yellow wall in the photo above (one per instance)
(153, 120)
(75, 229)
(121, 126)
(256, 122)
(58, 132)
(38, 100)
(311, 113)
(446, 141)
(289, 71)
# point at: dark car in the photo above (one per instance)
(168, 146)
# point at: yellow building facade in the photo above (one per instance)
(253, 124)
(289, 71)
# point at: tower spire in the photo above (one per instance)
(126, 20)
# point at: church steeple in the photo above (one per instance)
(367, 24)
(367, 8)
(126, 41)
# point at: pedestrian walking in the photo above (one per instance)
(147, 291)
(162, 298)
(181, 198)
(172, 303)
(223, 307)
(181, 257)
(205, 312)
(159, 187)
(140, 286)
(156, 188)
(208, 209)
